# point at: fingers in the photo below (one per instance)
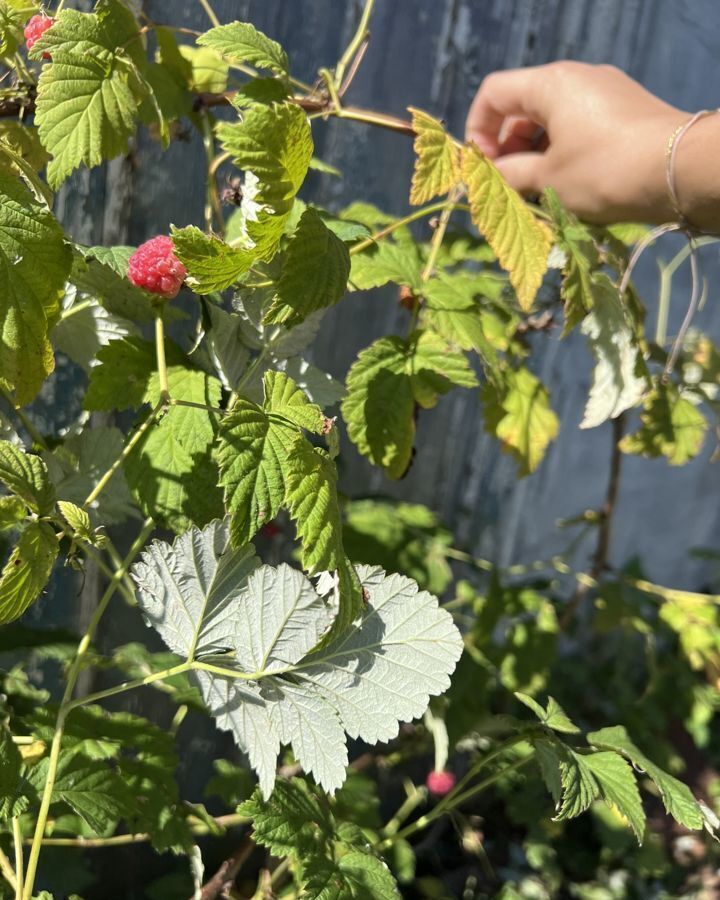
(521, 136)
(526, 172)
(515, 92)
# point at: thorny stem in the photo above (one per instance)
(358, 38)
(67, 704)
(210, 12)
(604, 527)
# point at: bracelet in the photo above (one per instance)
(670, 153)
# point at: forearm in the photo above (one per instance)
(697, 174)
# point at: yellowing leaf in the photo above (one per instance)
(520, 242)
(437, 165)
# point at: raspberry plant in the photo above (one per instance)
(228, 435)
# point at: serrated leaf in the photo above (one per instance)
(311, 492)
(224, 343)
(354, 876)
(520, 242)
(172, 472)
(553, 717)
(35, 262)
(86, 105)
(518, 413)
(579, 787)
(548, 760)
(12, 512)
(314, 274)
(396, 261)
(357, 681)
(27, 570)
(13, 16)
(320, 387)
(619, 787)
(437, 166)
(26, 475)
(379, 404)
(676, 796)
(618, 379)
(291, 821)
(89, 787)
(77, 518)
(12, 801)
(671, 426)
(284, 398)
(435, 368)
(240, 42)
(274, 143)
(84, 329)
(101, 272)
(212, 264)
(77, 466)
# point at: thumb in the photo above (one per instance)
(523, 171)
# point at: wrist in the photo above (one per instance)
(696, 181)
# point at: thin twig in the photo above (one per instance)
(225, 876)
(606, 512)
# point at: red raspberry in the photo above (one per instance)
(35, 29)
(271, 530)
(440, 783)
(154, 267)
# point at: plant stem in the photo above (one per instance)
(212, 198)
(439, 235)
(161, 361)
(360, 35)
(210, 12)
(370, 117)
(248, 374)
(66, 706)
(24, 420)
(129, 685)
(406, 220)
(59, 7)
(7, 871)
(457, 800)
(19, 863)
(127, 450)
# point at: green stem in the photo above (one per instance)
(361, 33)
(19, 863)
(7, 871)
(24, 420)
(127, 450)
(210, 12)
(66, 706)
(129, 685)
(406, 220)
(212, 198)
(59, 7)
(160, 355)
(249, 372)
(407, 808)
(458, 799)
(327, 77)
(76, 308)
(439, 235)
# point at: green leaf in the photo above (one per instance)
(77, 466)
(86, 102)
(208, 70)
(120, 381)
(12, 512)
(77, 518)
(311, 493)
(619, 787)
(357, 875)
(241, 43)
(89, 787)
(396, 261)
(274, 143)
(356, 681)
(12, 798)
(579, 786)
(34, 262)
(437, 166)
(212, 264)
(26, 475)
(671, 426)
(553, 717)
(85, 328)
(619, 379)
(677, 797)
(576, 241)
(101, 272)
(314, 275)
(379, 405)
(452, 310)
(435, 368)
(520, 242)
(518, 413)
(27, 570)
(13, 16)
(284, 398)
(262, 90)
(172, 472)
(291, 821)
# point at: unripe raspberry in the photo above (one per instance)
(154, 267)
(440, 783)
(35, 29)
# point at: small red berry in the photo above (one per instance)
(35, 29)
(270, 530)
(155, 268)
(440, 783)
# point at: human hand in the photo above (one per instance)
(603, 138)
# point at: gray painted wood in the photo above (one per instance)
(434, 55)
